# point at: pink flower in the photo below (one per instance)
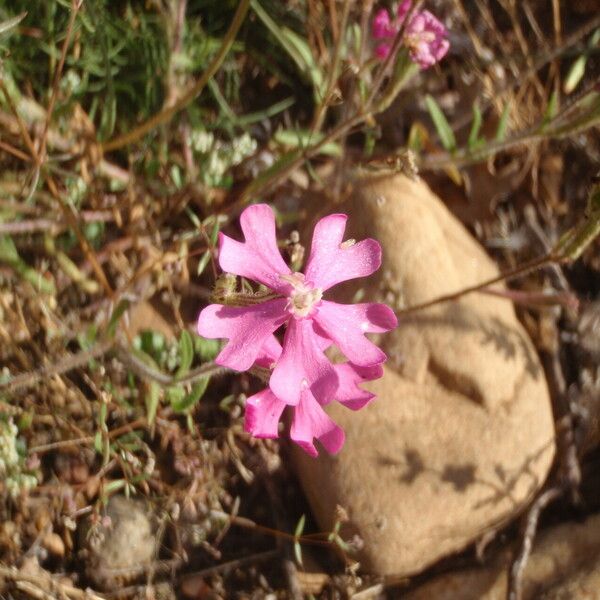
(424, 36)
(302, 376)
(310, 421)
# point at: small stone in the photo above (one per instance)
(195, 587)
(54, 544)
(461, 434)
(122, 546)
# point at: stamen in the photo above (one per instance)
(303, 297)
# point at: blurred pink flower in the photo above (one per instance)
(302, 375)
(424, 36)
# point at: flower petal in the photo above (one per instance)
(263, 412)
(246, 327)
(402, 11)
(310, 422)
(382, 51)
(302, 365)
(257, 258)
(350, 376)
(382, 26)
(269, 353)
(346, 325)
(331, 261)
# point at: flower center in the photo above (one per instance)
(303, 297)
(414, 40)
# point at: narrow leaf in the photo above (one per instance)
(442, 126)
(475, 127)
(189, 401)
(152, 399)
(116, 317)
(552, 108)
(202, 263)
(502, 124)
(186, 353)
(300, 526)
(11, 23)
(575, 74)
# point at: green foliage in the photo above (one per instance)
(296, 47)
(474, 139)
(10, 256)
(118, 69)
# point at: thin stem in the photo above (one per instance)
(75, 6)
(337, 56)
(167, 113)
(144, 371)
(62, 366)
(515, 579)
(527, 267)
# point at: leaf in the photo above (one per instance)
(296, 47)
(206, 349)
(475, 127)
(114, 486)
(11, 23)
(575, 74)
(120, 309)
(186, 353)
(573, 243)
(502, 124)
(300, 526)
(98, 442)
(152, 400)
(418, 136)
(214, 236)
(552, 108)
(577, 70)
(442, 126)
(297, 533)
(203, 262)
(10, 256)
(188, 401)
(302, 138)
(175, 394)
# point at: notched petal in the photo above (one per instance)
(247, 328)
(258, 257)
(346, 325)
(310, 422)
(333, 260)
(263, 412)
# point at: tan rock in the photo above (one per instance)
(461, 434)
(583, 585)
(564, 565)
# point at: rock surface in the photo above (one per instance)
(461, 434)
(564, 565)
